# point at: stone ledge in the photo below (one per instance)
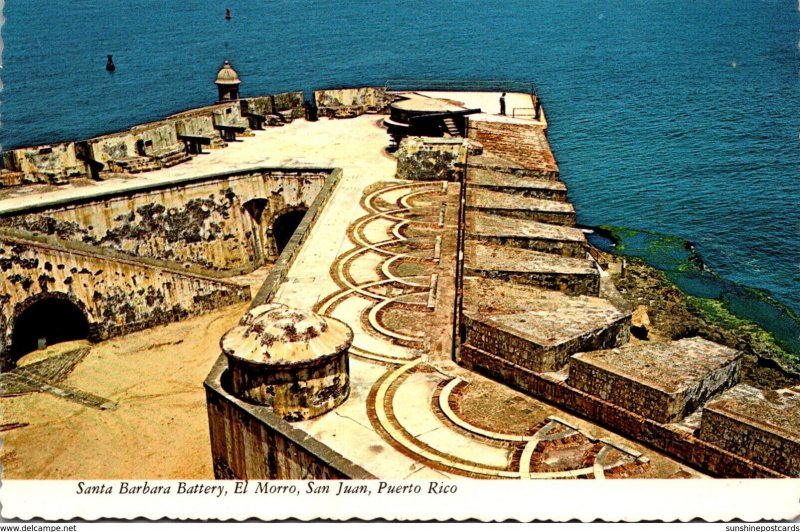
(569, 275)
(662, 381)
(549, 387)
(527, 234)
(763, 426)
(520, 185)
(518, 206)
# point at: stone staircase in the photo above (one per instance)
(520, 246)
(519, 185)
(152, 160)
(532, 318)
(450, 127)
(170, 156)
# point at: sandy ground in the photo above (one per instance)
(159, 428)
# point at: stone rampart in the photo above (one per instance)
(664, 437)
(761, 426)
(116, 296)
(50, 164)
(219, 222)
(524, 144)
(142, 148)
(431, 159)
(351, 102)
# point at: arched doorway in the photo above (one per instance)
(48, 320)
(284, 227)
(255, 209)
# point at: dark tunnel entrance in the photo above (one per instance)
(285, 226)
(51, 320)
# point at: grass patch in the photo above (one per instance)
(715, 311)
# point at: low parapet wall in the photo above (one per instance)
(143, 147)
(220, 222)
(351, 102)
(240, 430)
(116, 295)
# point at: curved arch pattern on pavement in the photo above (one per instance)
(388, 283)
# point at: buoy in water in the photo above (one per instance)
(110, 64)
(227, 14)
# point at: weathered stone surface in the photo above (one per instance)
(342, 103)
(289, 101)
(517, 184)
(292, 360)
(431, 159)
(519, 206)
(668, 438)
(252, 442)
(763, 426)
(526, 234)
(554, 272)
(661, 381)
(525, 144)
(53, 164)
(221, 223)
(261, 105)
(116, 296)
(544, 329)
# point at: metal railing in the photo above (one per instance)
(461, 85)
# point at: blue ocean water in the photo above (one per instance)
(680, 117)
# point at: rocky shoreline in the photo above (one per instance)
(674, 315)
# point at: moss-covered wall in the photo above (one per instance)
(54, 164)
(431, 159)
(117, 296)
(207, 223)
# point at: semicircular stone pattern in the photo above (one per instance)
(488, 340)
(413, 412)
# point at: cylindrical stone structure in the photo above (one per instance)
(227, 83)
(292, 360)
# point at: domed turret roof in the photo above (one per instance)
(277, 333)
(227, 75)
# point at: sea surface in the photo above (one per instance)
(676, 117)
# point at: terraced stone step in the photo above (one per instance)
(527, 234)
(570, 275)
(495, 163)
(171, 157)
(523, 143)
(761, 426)
(133, 165)
(516, 206)
(544, 334)
(516, 184)
(662, 381)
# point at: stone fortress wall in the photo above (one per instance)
(143, 147)
(165, 143)
(141, 257)
(222, 223)
(535, 315)
(158, 253)
(115, 259)
(159, 144)
(116, 295)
